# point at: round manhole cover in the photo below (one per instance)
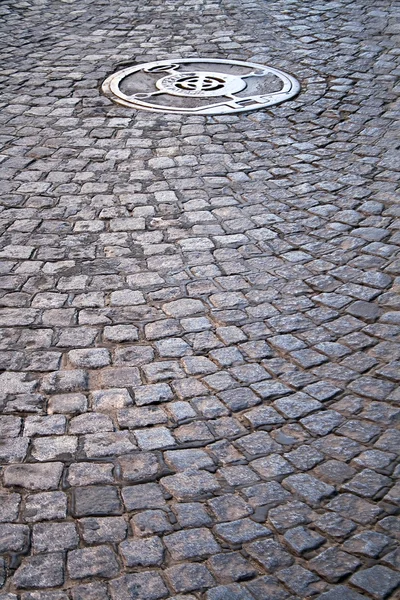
(198, 86)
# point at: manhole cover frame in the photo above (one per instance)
(231, 105)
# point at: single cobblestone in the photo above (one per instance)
(194, 543)
(45, 506)
(54, 537)
(42, 571)
(377, 581)
(334, 564)
(34, 476)
(189, 577)
(142, 553)
(88, 562)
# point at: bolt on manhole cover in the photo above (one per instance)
(199, 86)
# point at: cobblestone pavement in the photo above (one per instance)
(199, 315)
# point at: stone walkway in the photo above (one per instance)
(199, 315)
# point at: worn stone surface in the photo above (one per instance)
(199, 316)
(96, 500)
(99, 561)
(42, 571)
(377, 581)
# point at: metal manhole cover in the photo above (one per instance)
(200, 86)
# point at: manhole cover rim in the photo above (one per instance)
(291, 87)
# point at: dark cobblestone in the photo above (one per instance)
(270, 555)
(90, 591)
(368, 543)
(193, 543)
(148, 584)
(190, 484)
(341, 592)
(268, 588)
(103, 529)
(189, 577)
(149, 522)
(42, 571)
(289, 515)
(45, 506)
(142, 553)
(231, 566)
(53, 537)
(301, 581)
(96, 500)
(308, 488)
(300, 540)
(333, 564)
(377, 581)
(91, 562)
(352, 507)
(335, 526)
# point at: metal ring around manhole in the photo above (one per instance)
(199, 86)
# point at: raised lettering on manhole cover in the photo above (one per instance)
(200, 86)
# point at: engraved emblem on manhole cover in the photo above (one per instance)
(199, 86)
